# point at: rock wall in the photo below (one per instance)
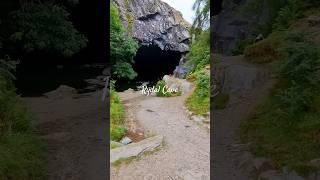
(239, 20)
(155, 22)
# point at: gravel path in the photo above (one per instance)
(75, 131)
(186, 151)
(248, 85)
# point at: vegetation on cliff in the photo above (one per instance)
(199, 57)
(122, 48)
(44, 27)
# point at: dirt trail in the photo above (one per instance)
(76, 134)
(186, 151)
(248, 85)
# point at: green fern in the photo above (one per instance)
(7, 67)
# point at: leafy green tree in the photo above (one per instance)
(199, 54)
(122, 48)
(44, 27)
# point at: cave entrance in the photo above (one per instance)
(151, 64)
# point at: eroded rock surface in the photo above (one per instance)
(239, 20)
(155, 22)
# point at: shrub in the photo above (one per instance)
(199, 101)
(117, 130)
(288, 14)
(116, 133)
(45, 27)
(122, 47)
(199, 54)
(22, 154)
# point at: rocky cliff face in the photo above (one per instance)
(155, 22)
(239, 20)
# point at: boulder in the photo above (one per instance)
(136, 149)
(126, 141)
(175, 83)
(62, 91)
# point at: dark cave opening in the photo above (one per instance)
(151, 64)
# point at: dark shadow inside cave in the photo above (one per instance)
(152, 63)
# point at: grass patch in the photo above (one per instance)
(121, 161)
(273, 135)
(22, 154)
(114, 145)
(117, 130)
(199, 101)
(163, 90)
(267, 50)
(22, 157)
(220, 101)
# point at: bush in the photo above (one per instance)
(22, 154)
(45, 27)
(199, 101)
(116, 133)
(117, 130)
(199, 54)
(288, 14)
(122, 48)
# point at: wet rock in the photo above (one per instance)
(126, 141)
(136, 149)
(155, 22)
